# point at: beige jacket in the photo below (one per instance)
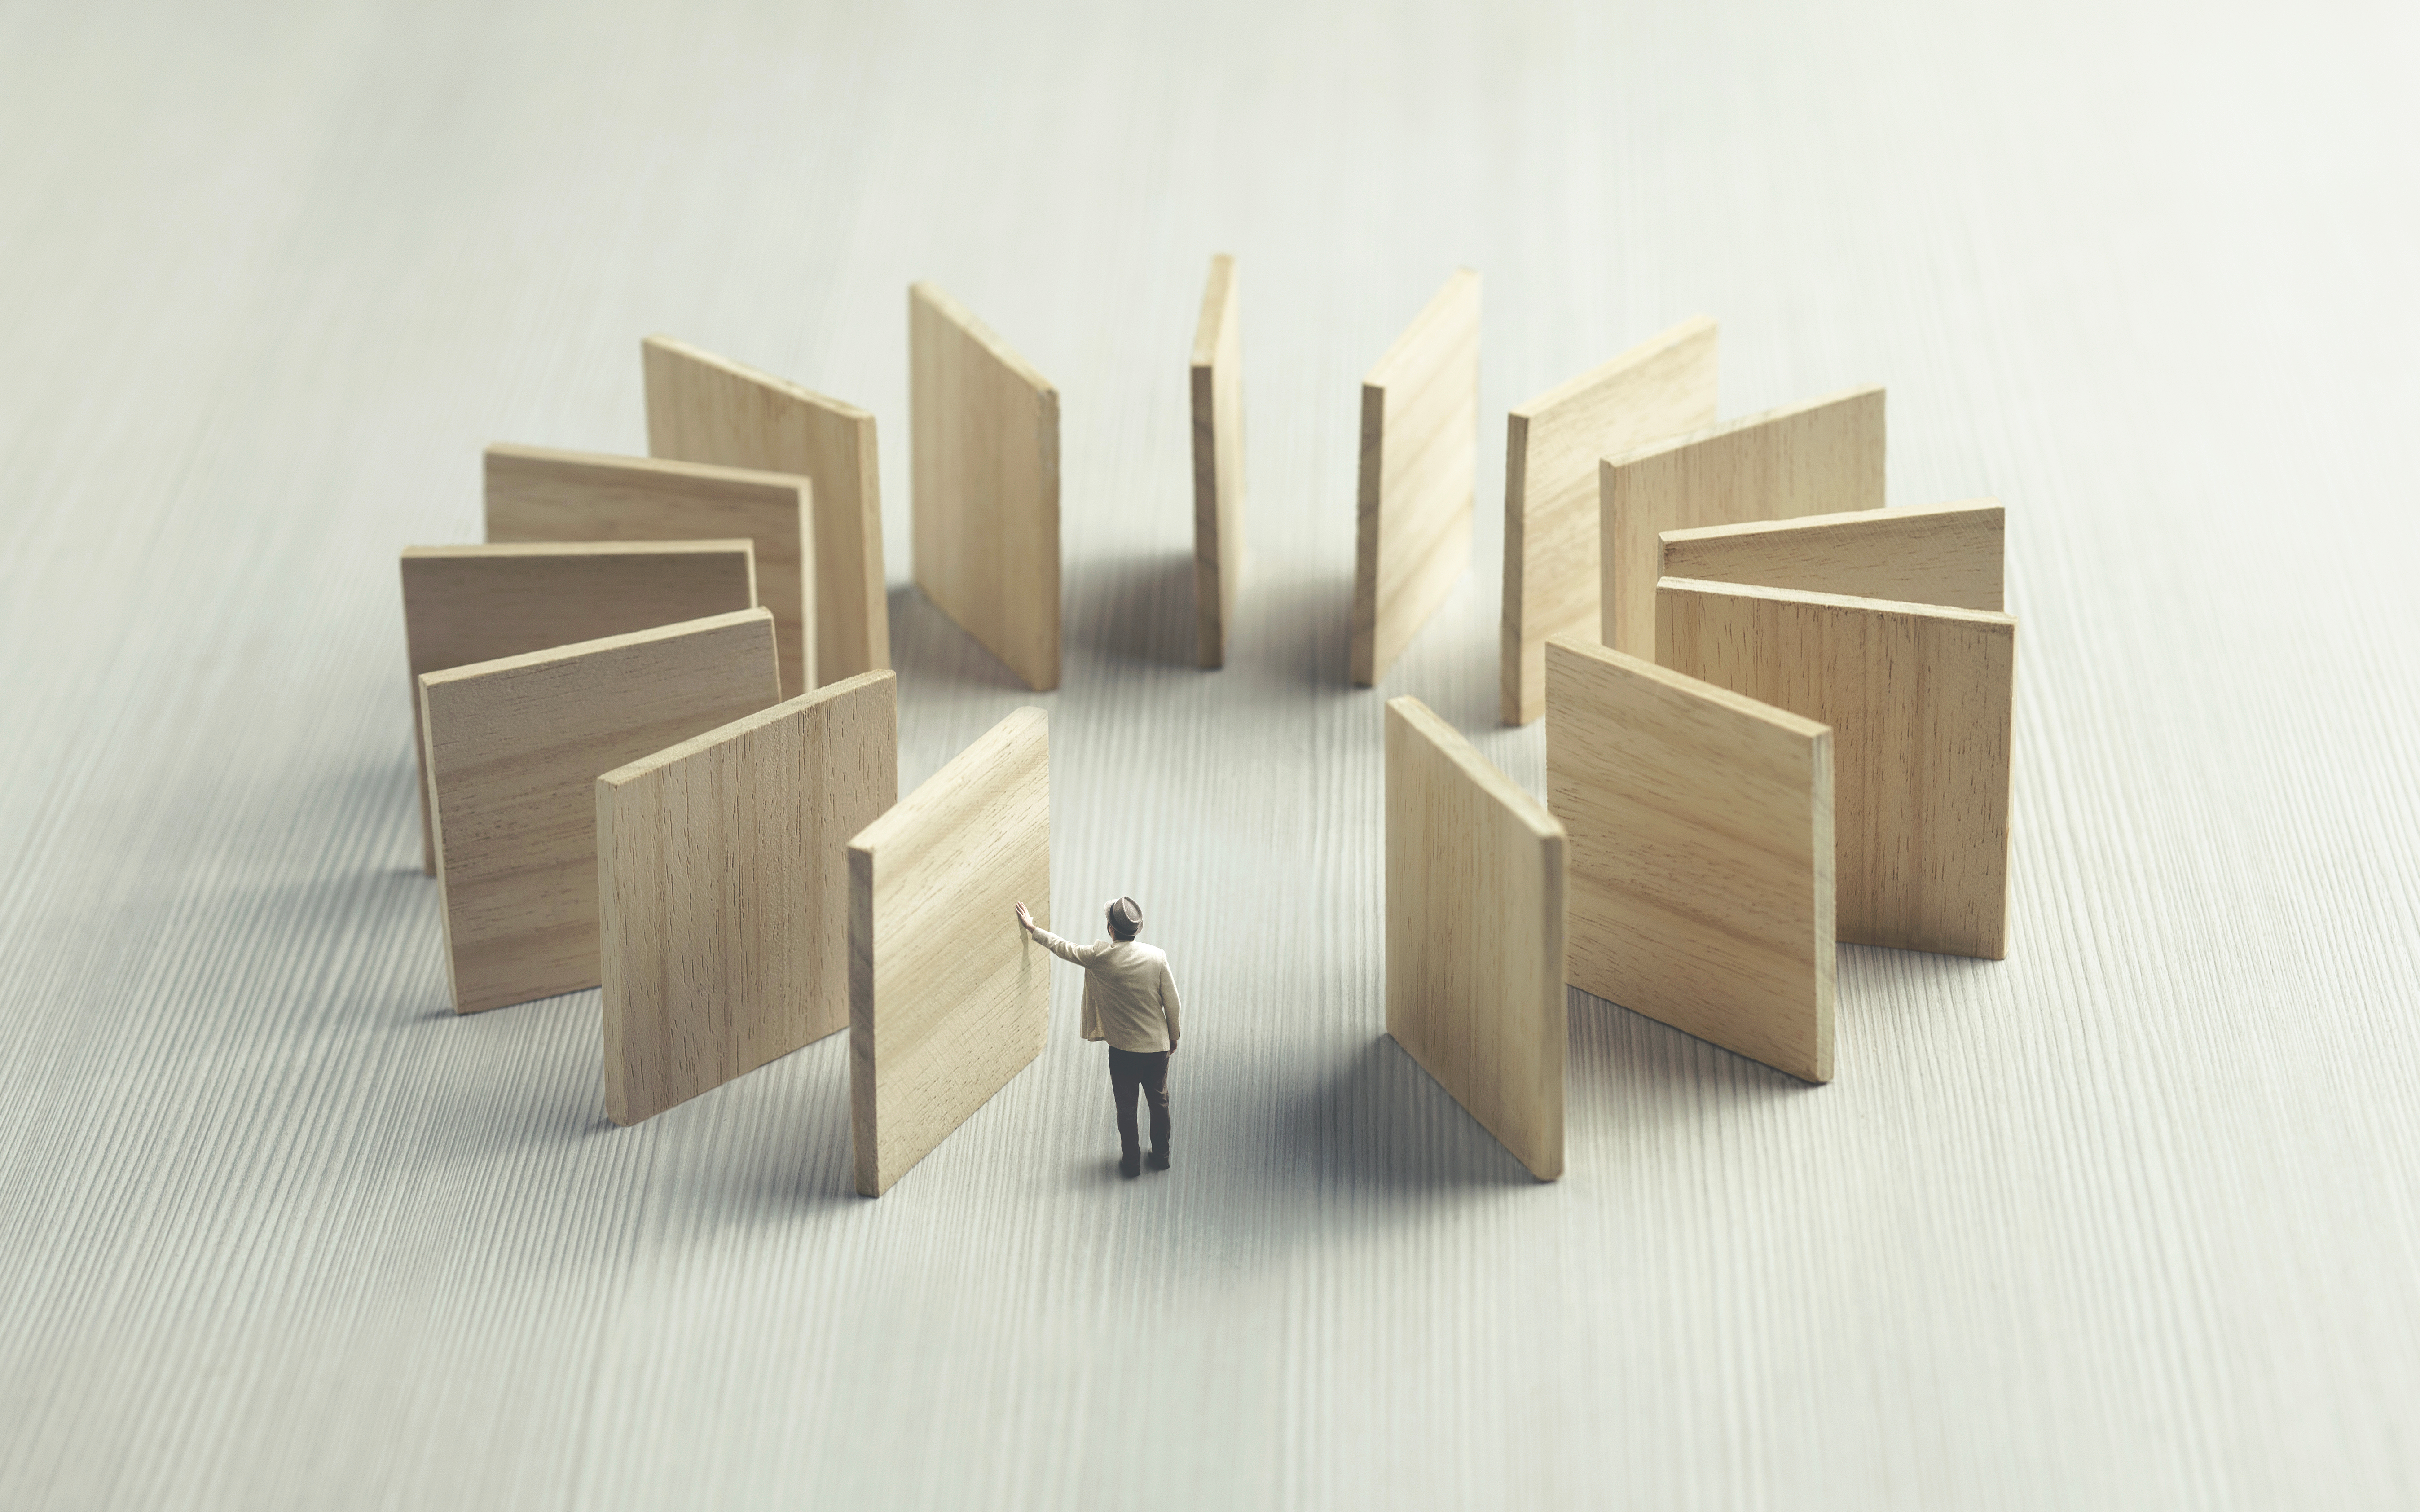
(1129, 995)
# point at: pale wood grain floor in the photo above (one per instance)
(2126, 1221)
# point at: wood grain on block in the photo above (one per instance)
(722, 888)
(949, 997)
(463, 604)
(1921, 701)
(703, 409)
(1661, 388)
(1475, 933)
(1217, 387)
(515, 748)
(1700, 825)
(539, 495)
(985, 454)
(1419, 445)
(1817, 458)
(1924, 554)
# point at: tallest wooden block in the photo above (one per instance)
(1420, 446)
(703, 409)
(987, 484)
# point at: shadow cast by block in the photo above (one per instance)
(1381, 1124)
(1628, 1069)
(929, 646)
(1299, 625)
(1136, 609)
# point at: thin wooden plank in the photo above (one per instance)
(534, 494)
(985, 432)
(1702, 858)
(1920, 554)
(1216, 378)
(464, 603)
(1821, 458)
(1921, 700)
(1659, 389)
(1420, 446)
(701, 407)
(949, 997)
(723, 885)
(1475, 932)
(514, 747)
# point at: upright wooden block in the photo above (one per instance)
(536, 495)
(722, 878)
(949, 997)
(1475, 933)
(1420, 446)
(1661, 388)
(515, 748)
(1700, 825)
(987, 484)
(463, 604)
(1922, 699)
(1217, 378)
(1817, 458)
(1924, 554)
(703, 409)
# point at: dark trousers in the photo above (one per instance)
(1147, 1070)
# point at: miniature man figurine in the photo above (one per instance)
(1130, 1001)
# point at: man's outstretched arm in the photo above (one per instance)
(1063, 950)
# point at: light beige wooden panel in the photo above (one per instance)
(1660, 388)
(1817, 458)
(723, 888)
(1420, 443)
(1701, 881)
(539, 495)
(1921, 700)
(1922, 554)
(986, 427)
(701, 407)
(1475, 933)
(1217, 388)
(463, 604)
(949, 997)
(514, 750)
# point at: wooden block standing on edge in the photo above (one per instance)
(722, 881)
(538, 494)
(464, 603)
(1419, 447)
(1817, 458)
(947, 996)
(1475, 933)
(515, 748)
(1921, 700)
(985, 432)
(703, 409)
(1700, 828)
(1922, 554)
(1661, 388)
(1217, 380)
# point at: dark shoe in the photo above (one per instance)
(1131, 1165)
(1158, 1161)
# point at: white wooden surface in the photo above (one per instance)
(2127, 1221)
